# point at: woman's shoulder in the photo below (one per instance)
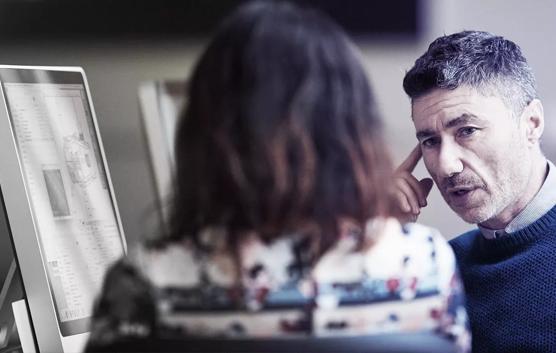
(171, 265)
(425, 236)
(394, 250)
(183, 265)
(413, 249)
(410, 238)
(420, 233)
(422, 240)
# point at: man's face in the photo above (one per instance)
(475, 150)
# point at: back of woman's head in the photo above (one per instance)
(280, 132)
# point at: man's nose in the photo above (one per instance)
(449, 160)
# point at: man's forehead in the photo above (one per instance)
(440, 100)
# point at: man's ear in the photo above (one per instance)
(533, 118)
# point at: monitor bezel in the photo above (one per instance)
(19, 208)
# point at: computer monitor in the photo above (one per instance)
(59, 200)
(161, 102)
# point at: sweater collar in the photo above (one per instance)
(535, 231)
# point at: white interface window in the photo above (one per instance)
(66, 181)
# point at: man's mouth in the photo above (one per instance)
(459, 191)
(461, 195)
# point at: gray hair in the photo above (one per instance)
(491, 64)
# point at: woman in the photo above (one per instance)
(282, 222)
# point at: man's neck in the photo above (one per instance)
(538, 175)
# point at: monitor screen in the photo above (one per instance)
(66, 182)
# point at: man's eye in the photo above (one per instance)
(467, 131)
(430, 142)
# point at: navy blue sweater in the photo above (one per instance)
(510, 284)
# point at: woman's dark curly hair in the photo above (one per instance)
(280, 133)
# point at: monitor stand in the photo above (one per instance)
(24, 330)
(11, 288)
(11, 292)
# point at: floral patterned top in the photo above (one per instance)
(406, 281)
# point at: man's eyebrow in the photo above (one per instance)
(422, 134)
(460, 120)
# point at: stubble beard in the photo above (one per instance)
(490, 208)
(504, 194)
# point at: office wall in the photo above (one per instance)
(115, 70)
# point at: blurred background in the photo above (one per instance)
(122, 44)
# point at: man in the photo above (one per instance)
(479, 122)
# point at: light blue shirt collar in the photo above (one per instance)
(543, 202)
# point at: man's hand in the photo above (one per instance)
(411, 194)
